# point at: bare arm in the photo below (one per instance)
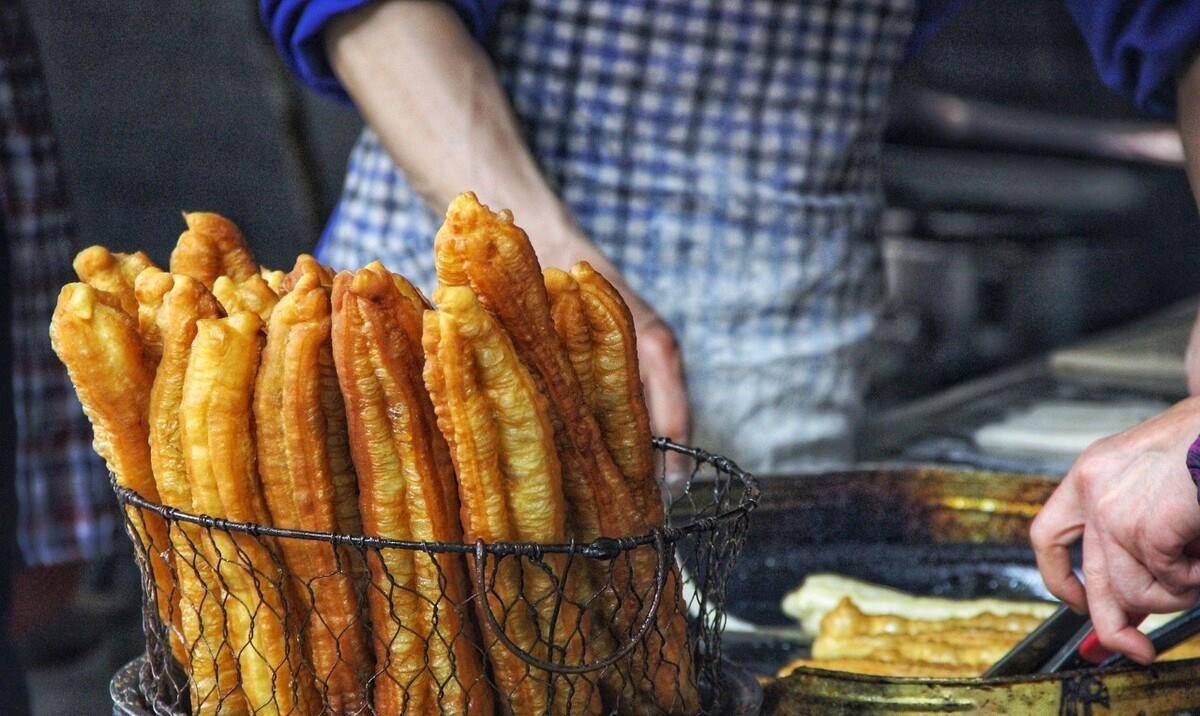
(431, 94)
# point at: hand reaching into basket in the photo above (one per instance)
(1131, 500)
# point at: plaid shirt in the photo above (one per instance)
(725, 155)
(66, 510)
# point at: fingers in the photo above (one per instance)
(1057, 527)
(1109, 616)
(663, 378)
(1192, 358)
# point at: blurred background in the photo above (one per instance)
(1029, 206)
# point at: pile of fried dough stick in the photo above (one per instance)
(346, 403)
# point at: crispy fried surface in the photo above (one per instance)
(173, 304)
(212, 246)
(251, 294)
(97, 340)
(891, 645)
(888, 668)
(274, 278)
(301, 482)
(149, 289)
(616, 397)
(502, 443)
(305, 265)
(405, 492)
(490, 253)
(113, 273)
(220, 458)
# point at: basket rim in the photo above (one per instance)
(602, 548)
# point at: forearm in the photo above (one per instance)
(431, 94)
(1188, 101)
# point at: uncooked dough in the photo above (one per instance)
(1063, 427)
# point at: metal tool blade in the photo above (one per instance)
(1042, 643)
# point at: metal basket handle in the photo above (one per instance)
(660, 580)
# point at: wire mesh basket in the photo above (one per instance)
(626, 625)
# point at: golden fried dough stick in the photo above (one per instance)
(616, 397)
(848, 620)
(425, 649)
(274, 278)
(886, 668)
(219, 454)
(497, 260)
(847, 633)
(174, 304)
(111, 272)
(597, 332)
(97, 340)
(566, 308)
(501, 438)
(306, 264)
(977, 646)
(251, 294)
(300, 483)
(212, 246)
(149, 289)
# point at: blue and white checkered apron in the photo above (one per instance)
(725, 155)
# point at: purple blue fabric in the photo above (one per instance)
(1193, 464)
(1139, 47)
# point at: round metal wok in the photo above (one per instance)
(929, 531)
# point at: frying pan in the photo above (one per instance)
(934, 531)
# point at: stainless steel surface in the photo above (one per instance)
(959, 120)
(940, 428)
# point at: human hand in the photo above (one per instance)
(1191, 358)
(1132, 501)
(661, 367)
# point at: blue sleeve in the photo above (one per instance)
(298, 26)
(1140, 47)
(931, 14)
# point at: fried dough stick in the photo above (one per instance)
(300, 480)
(112, 273)
(98, 343)
(251, 294)
(345, 485)
(274, 278)
(426, 654)
(305, 265)
(116, 273)
(888, 668)
(585, 304)
(220, 458)
(212, 246)
(174, 304)
(495, 257)
(498, 427)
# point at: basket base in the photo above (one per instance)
(741, 697)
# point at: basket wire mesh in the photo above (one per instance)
(394, 627)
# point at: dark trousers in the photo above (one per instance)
(14, 699)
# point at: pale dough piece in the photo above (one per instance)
(1063, 427)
